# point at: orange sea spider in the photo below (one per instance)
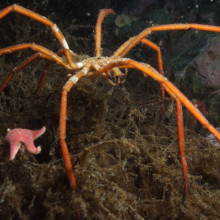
(110, 68)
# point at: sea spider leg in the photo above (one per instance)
(176, 95)
(125, 48)
(47, 53)
(130, 43)
(168, 86)
(46, 68)
(98, 30)
(181, 145)
(160, 66)
(152, 45)
(159, 59)
(62, 123)
(18, 68)
(58, 34)
(26, 62)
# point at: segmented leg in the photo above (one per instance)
(98, 30)
(180, 126)
(28, 61)
(125, 48)
(159, 59)
(17, 69)
(181, 145)
(47, 53)
(62, 124)
(46, 68)
(168, 86)
(176, 95)
(58, 34)
(160, 67)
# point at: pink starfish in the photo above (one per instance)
(16, 136)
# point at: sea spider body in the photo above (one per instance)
(113, 69)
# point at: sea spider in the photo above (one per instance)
(110, 69)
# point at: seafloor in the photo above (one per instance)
(125, 156)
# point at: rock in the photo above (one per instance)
(207, 64)
(211, 138)
(123, 20)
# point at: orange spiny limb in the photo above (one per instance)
(98, 30)
(181, 144)
(169, 87)
(28, 61)
(159, 55)
(125, 48)
(160, 66)
(62, 126)
(48, 53)
(46, 68)
(43, 77)
(17, 69)
(179, 97)
(43, 20)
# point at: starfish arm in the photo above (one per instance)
(29, 144)
(12, 142)
(14, 148)
(38, 133)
